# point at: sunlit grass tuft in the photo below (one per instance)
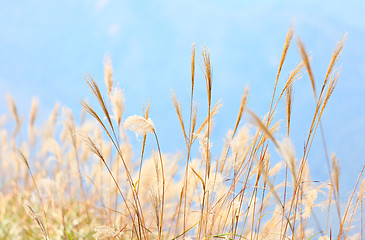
(86, 183)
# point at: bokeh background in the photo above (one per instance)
(47, 47)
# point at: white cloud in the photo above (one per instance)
(100, 4)
(114, 29)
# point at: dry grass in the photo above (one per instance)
(84, 180)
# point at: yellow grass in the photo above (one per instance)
(78, 180)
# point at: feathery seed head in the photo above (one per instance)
(108, 74)
(287, 152)
(104, 232)
(33, 111)
(139, 125)
(117, 100)
(310, 199)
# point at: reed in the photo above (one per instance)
(86, 183)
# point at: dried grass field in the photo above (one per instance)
(83, 179)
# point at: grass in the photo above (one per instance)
(78, 180)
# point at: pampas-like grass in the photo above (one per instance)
(90, 182)
(139, 125)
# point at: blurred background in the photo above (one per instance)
(47, 47)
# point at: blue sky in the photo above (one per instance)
(46, 47)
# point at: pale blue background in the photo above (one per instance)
(46, 47)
